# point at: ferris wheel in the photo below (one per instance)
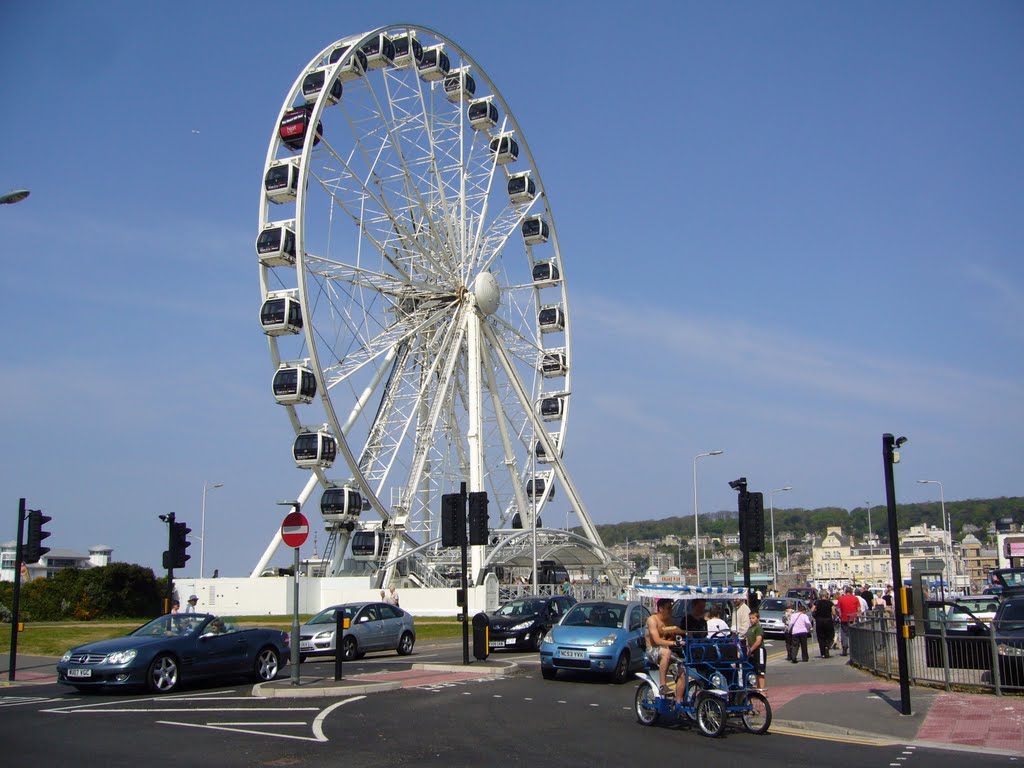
(414, 296)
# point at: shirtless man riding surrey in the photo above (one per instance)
(661, 639)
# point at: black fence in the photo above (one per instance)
(949, 654)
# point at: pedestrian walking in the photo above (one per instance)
(192, 600)
(800, 630)
(848, 605)
(824, 627)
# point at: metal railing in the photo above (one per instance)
(951, 655)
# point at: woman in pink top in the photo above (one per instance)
(800, 630)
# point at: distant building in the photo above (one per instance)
(52, 562)
(836, 559)
(978, 561)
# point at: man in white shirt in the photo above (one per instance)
(740, 617)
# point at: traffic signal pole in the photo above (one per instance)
(12, 668)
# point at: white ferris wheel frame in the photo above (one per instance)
(484, 349)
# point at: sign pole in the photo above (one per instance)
(295, 621)
(294, 531)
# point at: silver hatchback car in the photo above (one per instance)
(372, 627)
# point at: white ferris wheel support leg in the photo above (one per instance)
(276, 541)
(473, 436)
(570, 489)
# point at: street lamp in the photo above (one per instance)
(202, 526)
(947, 527)
(696, 527)
(868, 505)
(771, 509)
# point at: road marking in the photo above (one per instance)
(17, 701)
(178, 710)
(318, 723)
(260, 722)
(239, 730)
(830, 737)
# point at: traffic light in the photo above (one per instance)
(453, 520)
(176, 556)
(34, 548)
(752, 527)
(478, 533)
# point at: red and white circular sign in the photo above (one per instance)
(295, 529)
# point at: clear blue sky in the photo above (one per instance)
(791, 227)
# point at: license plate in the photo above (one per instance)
(572, 654)
(510, 641)
(305, 646)
(79, 673)
(497, 643)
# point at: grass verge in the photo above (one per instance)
(54, 638)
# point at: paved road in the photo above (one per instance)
(519, 719)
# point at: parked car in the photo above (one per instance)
(160, 654)
(523, 622)
(604, 637)
(1009, 624)
(372, 627)
(773, 609)
(802, 593)
(970, 609)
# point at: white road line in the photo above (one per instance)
(268, 722)
(318, 723)
(238, 730)
(178, 710)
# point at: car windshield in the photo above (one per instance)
(979, 604)
(776, 604)
(330, 615)
(1012, 616)
(526, 606)
(172, 624)
(595, 615)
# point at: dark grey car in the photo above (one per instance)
(372, 627)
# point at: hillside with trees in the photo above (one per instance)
(968, 516)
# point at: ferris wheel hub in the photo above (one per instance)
(487, 293)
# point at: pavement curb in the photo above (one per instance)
(828, 731)
(312, 691)
(507, 668)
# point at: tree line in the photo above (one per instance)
(115, 591)
(967, 516)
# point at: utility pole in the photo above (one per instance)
(890, 456)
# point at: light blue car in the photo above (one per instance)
(601, 636)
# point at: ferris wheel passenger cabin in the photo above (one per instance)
(313, 83)
(281, 181)
(314, 449)
(367, 545)
(408, 50)
(535, 230)
(483, 115)
(459, 85)
(353, 68)
(294, 385)
(281, 315)
(295, 125)
(521, 188)
(542, 455)
(551, 319)
(380, 52)
(276, 245)
(552, 408)
(341, 504)
(541, 487)
(435, 64)
(545, 273)
(554, 365)
(504, 148)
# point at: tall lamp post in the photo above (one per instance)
(696, 527)
(771, 510)
(202, 527)
(947, 528)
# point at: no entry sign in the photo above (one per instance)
(295, 529)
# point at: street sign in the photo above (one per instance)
(295, 529)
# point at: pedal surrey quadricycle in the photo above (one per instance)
(719, 681)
